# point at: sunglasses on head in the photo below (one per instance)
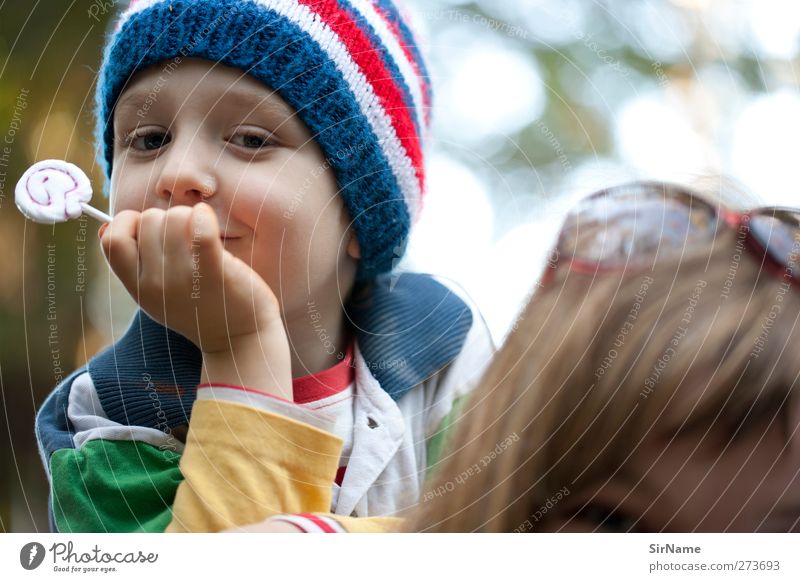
(634, 225)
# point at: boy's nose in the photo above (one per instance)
(186, 182)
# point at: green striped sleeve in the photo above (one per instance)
(114, 486)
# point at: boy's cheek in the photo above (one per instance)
(127, 197)
(119, 197)
(129, 186)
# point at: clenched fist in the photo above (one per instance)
(174, 264)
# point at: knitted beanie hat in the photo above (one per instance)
(350, 68)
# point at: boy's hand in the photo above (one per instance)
(174, 264)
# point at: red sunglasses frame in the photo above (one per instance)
(721, 216)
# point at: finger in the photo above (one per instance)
(206, 242)
(151, 249)
(178, 241)
(121, 249)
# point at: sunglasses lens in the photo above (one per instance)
(627, 224)
(778, 231)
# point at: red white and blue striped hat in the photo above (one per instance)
(351, 68)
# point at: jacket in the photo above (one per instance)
(108, 434)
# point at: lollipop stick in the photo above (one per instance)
(95, 213)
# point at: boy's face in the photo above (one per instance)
(206, 132)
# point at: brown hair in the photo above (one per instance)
(597, 363)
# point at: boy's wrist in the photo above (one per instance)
(269, 403)
(259, 360)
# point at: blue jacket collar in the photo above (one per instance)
(408, 327)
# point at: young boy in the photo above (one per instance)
(265, 164)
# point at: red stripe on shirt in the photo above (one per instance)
(308, 388)
(318, 522)
(326, 383)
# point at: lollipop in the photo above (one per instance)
(53, 191)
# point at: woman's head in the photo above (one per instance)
(656, 398)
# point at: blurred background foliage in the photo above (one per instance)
(537, 102)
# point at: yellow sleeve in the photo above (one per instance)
(242, 465)
(377, 524)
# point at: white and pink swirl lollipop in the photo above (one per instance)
(53, 191)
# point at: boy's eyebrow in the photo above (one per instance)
(132, 97)
(260, 100)
(254, 101)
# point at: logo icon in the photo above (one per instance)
(31, 555)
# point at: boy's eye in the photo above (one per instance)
(251, 140)
(150, 141)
